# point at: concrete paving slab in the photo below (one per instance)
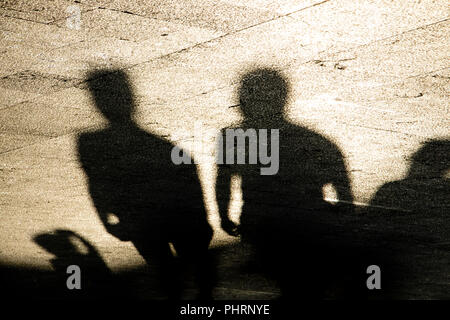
(288, 37)
(11, 97)
(34, 82)
(45, 12)
(409, 54)
(108, 51)
(280, 7)
(11, 141)
(215, 15)
(131, 27)
(38, 35)
(18, 58)
(34, 118)
(359, 23)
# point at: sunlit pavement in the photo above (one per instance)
(373, 77)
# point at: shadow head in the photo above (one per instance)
(432, 159)
(263, 93)
(112, 94)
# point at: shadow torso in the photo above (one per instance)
(130, 174)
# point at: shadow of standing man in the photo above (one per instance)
(140, 194)
(284, 215)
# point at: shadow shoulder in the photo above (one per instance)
(388, 194)
(311, 139)
(91, 136)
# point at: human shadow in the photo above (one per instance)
(294, 232)
(70, 248)
(140, 195)
(414, 215)
(426, 189)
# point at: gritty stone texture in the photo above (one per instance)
(372, 77)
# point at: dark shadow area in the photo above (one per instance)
(141, 195)
(312, 248)
(98, 282)
(414, 215)
(425, 190)
(26, 282)
(69, 248)
(419, 203)
(293, 241)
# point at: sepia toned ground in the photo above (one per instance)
(372, 77)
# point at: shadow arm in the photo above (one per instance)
(223, 196)
(342, 185)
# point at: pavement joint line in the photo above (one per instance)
(49, 138)
(64, 18)
(44, 23)
(21, 102)
(426, 74)
(249, 27)
(190, 97)
(28, 134)
(66, 45)
(40, 96)
(288, 65)
(221, 36)
(385, 38)
(294, 64)
(381, 129)
(23, 19)
(232, 32)
(136, 14)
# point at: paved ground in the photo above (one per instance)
(371, 77)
